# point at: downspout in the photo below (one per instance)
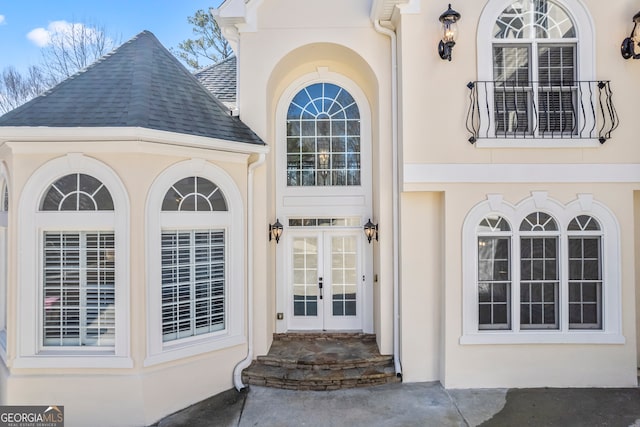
(243, 364)
(395, 210)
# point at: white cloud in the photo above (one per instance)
(2, 20)
(61, 30)
(39, 36)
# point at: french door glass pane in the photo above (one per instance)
(305, 276)
(344, 275)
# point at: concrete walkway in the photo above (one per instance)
(417, 404)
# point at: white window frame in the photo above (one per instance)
(232, 222)
(611, 332)
(32, 224)
(324, 200)
(4, 294)
(584, 64)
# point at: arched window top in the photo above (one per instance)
(492, 224)
(584, 223)
(194, 194)
(534, 19)
(539, 221)
(323, 138)
(323, 101)
(77, 192)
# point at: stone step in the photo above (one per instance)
(318, 379)
(321, 361)
(324, 353)
(323, 336)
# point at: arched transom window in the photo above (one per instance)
(77, 192)
(194, 194)
(323, 138)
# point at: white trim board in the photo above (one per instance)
(510, 173)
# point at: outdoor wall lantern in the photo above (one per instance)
(629, 45)
(275, 231)
(371, 230)
(449, 21)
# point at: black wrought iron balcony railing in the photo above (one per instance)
(535, 110)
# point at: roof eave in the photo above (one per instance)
(383, 10)
(116, 134)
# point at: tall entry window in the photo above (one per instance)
(323, 138)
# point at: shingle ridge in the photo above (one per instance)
(215, 64)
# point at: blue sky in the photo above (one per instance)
(24, 23)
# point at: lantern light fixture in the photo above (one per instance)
(630, 45)
(449, 20)
(371, 230)
(275, 231)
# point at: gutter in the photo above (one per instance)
(383, 28)
(243, 364)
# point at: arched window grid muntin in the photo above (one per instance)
(80, 195)
(323, 137)
(536, 20)
(191, 194)
(608, 327)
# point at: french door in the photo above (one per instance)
(325, 278)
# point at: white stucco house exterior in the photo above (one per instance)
(136, 255)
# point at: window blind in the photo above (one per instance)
(79, 289)
(193, 283)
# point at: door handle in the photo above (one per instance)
(320, 286)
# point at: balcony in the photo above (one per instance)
(503, 110)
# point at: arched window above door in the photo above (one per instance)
(323, 138)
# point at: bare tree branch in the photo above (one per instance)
(16, 89)
(73, 47)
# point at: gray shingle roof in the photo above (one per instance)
(220, 79)
(140, 84)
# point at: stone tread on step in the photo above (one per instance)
(321, 361)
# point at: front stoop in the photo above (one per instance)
(321, 361)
